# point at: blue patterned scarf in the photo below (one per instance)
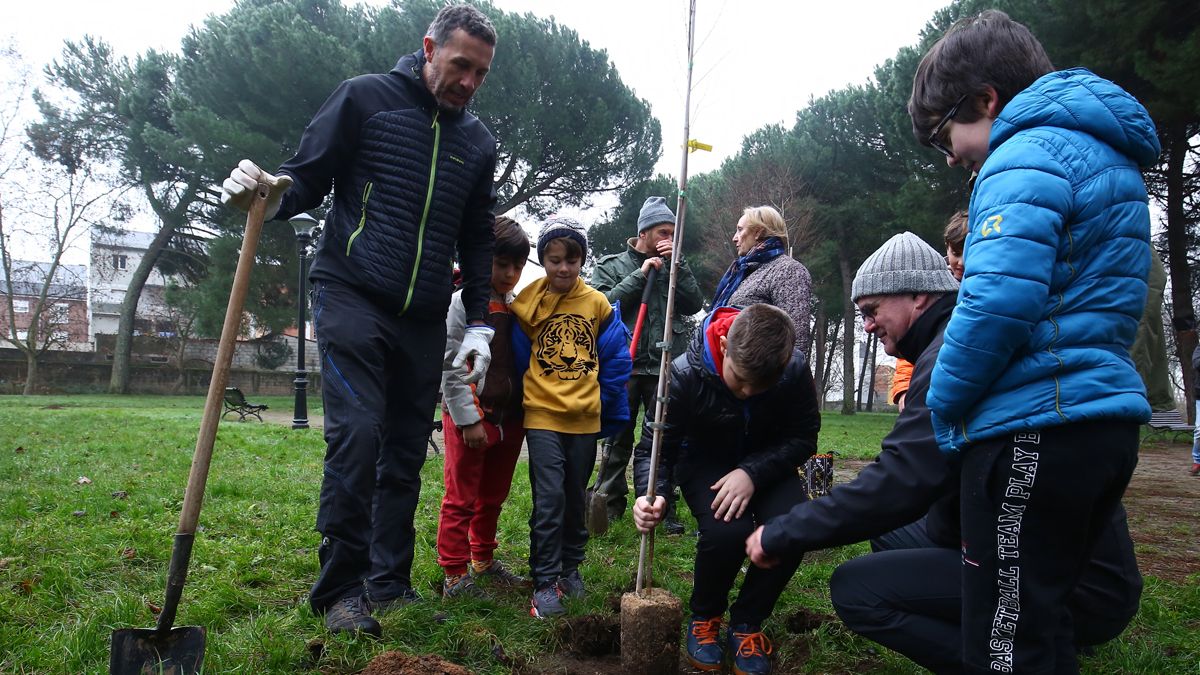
(762, 252)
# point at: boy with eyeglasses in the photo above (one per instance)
(1034, 386)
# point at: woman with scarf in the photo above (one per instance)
(764, 272)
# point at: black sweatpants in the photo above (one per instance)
(380, 381)
(559, 467)
(908, 595)
(1033, 506)
(721, 548)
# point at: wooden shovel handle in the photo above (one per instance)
(181, 550)
(202, 456)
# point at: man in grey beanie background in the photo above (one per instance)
(906, 595)
(622, 276)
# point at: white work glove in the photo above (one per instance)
(238, 189)
(476, 351)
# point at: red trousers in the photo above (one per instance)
(477, 483)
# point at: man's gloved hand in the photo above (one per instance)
(238, 189)
(475, 350)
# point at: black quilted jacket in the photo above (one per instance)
(411, 183)
(768, 435)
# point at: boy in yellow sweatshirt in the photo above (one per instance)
(577, 354)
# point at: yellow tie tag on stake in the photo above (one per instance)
(694, 145)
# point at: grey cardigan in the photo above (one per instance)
(785, 283)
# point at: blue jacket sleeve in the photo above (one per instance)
(329, 140)
(1017, 217)
(522, 348)
(615, 368)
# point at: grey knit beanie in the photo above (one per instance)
(904, 264)
(654, 212)
(561, 226)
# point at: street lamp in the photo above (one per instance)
(304, 225)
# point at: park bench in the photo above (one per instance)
(1170, 422)
(235, 402)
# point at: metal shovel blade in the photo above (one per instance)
(596, 517)
(148, 651)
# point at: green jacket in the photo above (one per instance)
(1149, 349)
(619, 277)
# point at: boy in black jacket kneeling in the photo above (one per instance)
(742, 417)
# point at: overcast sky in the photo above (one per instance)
(756, 62)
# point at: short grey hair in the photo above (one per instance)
(466, 17)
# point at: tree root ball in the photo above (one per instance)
(651, 624)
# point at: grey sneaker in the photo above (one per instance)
(406, 596)
(571, 584)
(352, 614)
(547, 602)
(498, 573)
(462, 586)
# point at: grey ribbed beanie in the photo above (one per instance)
(654, 212)
(904, 264)
(561, 226)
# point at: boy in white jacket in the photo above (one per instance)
(483, 425)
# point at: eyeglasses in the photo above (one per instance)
(937, 131)
(867, 311)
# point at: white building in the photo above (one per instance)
(114, 258)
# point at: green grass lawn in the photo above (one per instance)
(79, 558)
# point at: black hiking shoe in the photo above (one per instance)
(352, 614)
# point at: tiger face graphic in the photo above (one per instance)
(566, 347)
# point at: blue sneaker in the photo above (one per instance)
(703, 646)
(547, 602)
(751, 650)
(571, 584)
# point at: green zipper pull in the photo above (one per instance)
(412, 281)
(362, 221)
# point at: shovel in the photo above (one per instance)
(595, 517)
(180, 651)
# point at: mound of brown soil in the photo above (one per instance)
(399, 663)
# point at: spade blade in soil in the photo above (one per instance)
(148, 651)
(595, 519)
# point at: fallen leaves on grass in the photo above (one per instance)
(120, 494)
(129, 553)
(154, 609)
(79, 514)
(83, 480)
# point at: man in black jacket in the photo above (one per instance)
(412, 179)
(908, 598)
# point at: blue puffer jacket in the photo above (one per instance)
(411, 185)
(1055, 267)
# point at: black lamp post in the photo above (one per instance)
(304, 225)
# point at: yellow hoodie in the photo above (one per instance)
(562, 390)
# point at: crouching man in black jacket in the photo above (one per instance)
(907, 595)
(742, 417)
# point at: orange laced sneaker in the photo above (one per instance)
(751, 650)
(703, 647)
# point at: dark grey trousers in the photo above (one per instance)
(559, 467)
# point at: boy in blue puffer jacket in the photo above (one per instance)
(1034, 384)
